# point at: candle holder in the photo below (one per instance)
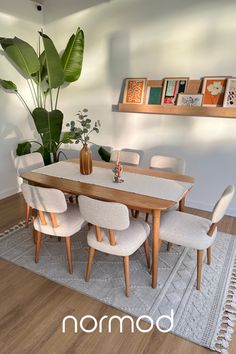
(117, 173)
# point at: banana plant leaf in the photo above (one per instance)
(8, 85)
(49, 126)
(46, 154)
(23, 148)
(43, 69)
(104, 154)
(22, 54)
(55, 73)
(72, 58)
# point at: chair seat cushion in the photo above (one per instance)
(69, 222)
(127, 241)
(186, 230)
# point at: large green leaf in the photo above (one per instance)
(23, 148)
(46, 154)
(104, 154)
(8, 85)
(22, 54)
(55, 72)
(43, 69)
(72, 58)
(49, 126)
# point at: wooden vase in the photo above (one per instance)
(86, 167)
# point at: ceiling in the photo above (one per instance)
(55, 9)
(51, 11)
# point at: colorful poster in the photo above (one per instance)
(213, 90)
(230, 93)
(154, 95)
(134, 91)
(172, 87)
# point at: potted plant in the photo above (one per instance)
(45, 72)
(81, 134)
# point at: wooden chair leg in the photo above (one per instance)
(182, 204)
(90, 261)
(71, 199)
(126, 271)
(209, 255)
(34, 236)
(199, 268)
(146, 248)
(28, 211)
(169, 245)
(147, 216)
(69, 256)
(136, 215)
(38, 243)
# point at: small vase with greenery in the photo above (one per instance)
(81, 134)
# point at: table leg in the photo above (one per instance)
(155, 245)
(182, 203)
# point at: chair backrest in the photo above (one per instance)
(44, 199)
(126, 157)
(222, 204)
(168, 163)
(108, 215)
(29, 162)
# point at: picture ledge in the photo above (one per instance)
(220, 112)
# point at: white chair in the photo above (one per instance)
(27, 163)
(194, 231)
(168, 163)
(52, 216)
(120, 235)
(126, 157)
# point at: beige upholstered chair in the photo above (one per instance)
(126, 157)
(52, 216)
(168, 163)
(115, 233)
(194, 231)
(27, 163)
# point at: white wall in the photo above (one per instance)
(155, 39)
(56, 9)
(15, 124)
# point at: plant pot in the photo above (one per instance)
(86, 166)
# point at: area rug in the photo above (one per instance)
(204, 317)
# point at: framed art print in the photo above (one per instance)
(153, 95)
(189, 100)
(171, 88)
(213, 89)
(230, 93)
(135, 90)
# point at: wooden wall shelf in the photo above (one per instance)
(220, 112)
(194, 86)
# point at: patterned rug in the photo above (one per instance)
(204, 317)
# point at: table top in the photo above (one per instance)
(132, 200)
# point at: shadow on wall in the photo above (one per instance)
(156, 42)
(10, 135)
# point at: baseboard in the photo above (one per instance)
(8, 192)
(207, 207)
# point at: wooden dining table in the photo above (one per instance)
(134, 201)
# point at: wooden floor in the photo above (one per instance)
(32, 309)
